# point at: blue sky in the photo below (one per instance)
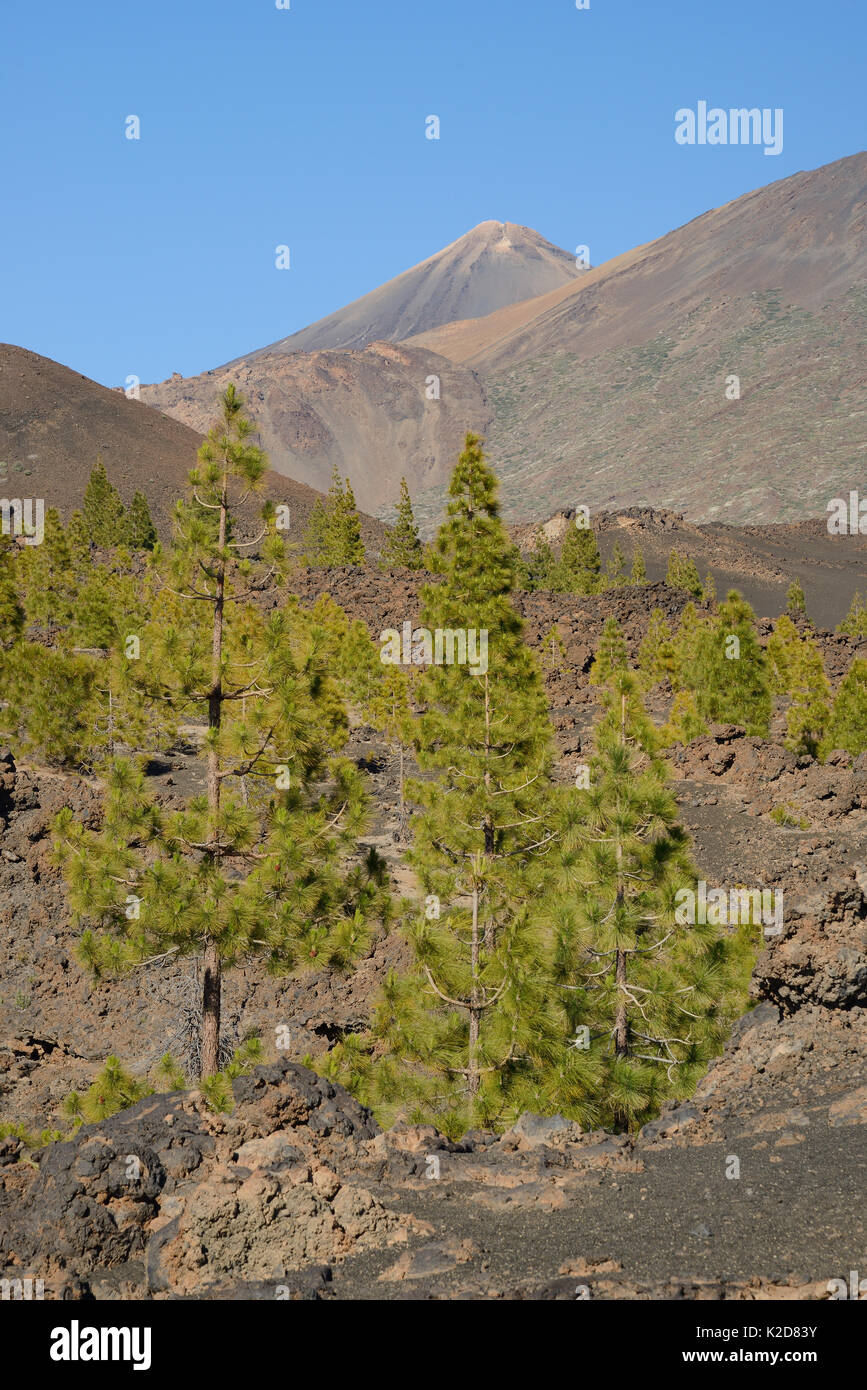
(306, 127)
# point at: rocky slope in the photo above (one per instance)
(612, 391)
(55, 423)
(368, 413)
(298, 1194)
(750, 1191)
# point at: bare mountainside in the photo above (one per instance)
(54, 423)
(612, 391)
(613, 388)
(497, 263)
(375, 414)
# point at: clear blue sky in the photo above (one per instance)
(305, 127)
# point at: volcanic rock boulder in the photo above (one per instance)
(174, 1199)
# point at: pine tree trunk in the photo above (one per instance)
(212, 989)
(621, 1028)
(489, 823)
(621, 1017)
(475, 1004)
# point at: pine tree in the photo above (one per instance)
(333, 535)
(343, 524)
(75, 709)
(46, 697)
(796, 669)
(611, 654)
(316, 538)
(656, 657)
(615, 570)
(346, 529)
(389, 711)
(78, 540)
(578, 568)
(402, 549)
(848, 724)
(657, 997)
(103, 510)
(553, 650)
(11, 611)
(855, 622)
(782, 655)
(474, 1034)
(683, 574)
(538, 570)
(347, 651)
(708, 589)
(232, 874)
(810, 711)
(686, 648)
(684, 722)
(796, 603)
(638, 574)
(110, 612)
(140, 533)
(49, 581)
(73, 703)
(731, 680)
(109, 604)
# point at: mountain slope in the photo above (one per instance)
(496, 263)
(55, 422)
(368, 413)
(612, 391)
(612, 388)
(804, 236)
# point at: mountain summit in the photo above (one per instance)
(496, 264)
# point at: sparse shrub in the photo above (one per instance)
(114, 1089)
(789, 816)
